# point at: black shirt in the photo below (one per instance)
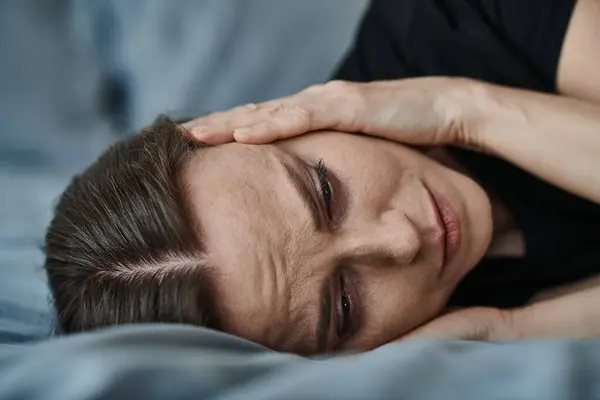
(509, 42)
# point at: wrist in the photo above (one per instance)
(518, 323)
(463, 113)
(507, 325)
(481, 115)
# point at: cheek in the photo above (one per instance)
(371, 179)
(395, 304)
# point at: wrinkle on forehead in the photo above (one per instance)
(254, 236)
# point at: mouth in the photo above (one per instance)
(449, 224)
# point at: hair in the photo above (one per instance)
(123, 246)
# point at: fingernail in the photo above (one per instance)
(188, 124)
(241, 132)
(199, 131)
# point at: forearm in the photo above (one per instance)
(553, 137)
(574, 315)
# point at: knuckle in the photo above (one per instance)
(275, 109)
(298, 112)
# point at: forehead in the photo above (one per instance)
(256, 232)
(242, 188)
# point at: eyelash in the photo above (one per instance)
(324, 185)
(344, 326)
(346, 306)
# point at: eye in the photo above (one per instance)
(344, 321)
(324, 185)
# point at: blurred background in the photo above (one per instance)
(76, 75)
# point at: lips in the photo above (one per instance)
(449, 222)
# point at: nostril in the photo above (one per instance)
(393, 237)
(383, 211)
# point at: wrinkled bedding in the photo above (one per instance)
(175, 362)
(54, 67)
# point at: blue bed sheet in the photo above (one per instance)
(177, 362)
(54, 65)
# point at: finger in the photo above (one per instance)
(285, 122)
(252, 114)
(209, 136)
(218, 127)
(333, 105)
(222, 125)
(220, 117)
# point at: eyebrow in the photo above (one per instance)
(303, 189)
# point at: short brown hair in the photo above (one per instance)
(122, 247)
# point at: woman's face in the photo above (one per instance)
(333, 241)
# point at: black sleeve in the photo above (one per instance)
(509, 42)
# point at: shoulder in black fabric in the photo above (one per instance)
(508, 42)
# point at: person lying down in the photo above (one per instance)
(323, 242)
(238, 237)
(329, 241)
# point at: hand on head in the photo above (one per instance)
(424, 111)
(421, 111)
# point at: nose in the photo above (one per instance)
(392, 236)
